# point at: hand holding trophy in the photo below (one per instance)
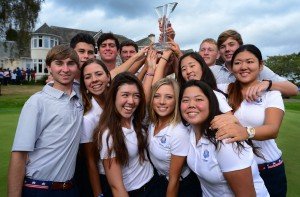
(163, 13)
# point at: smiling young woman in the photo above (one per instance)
(122, 141)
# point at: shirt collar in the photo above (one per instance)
(203, 139)
(223, 67)
(127, 131)
(48, 89)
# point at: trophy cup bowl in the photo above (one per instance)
(163, 12)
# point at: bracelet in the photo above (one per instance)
(270, 84)
(164, 58)
(150, 74)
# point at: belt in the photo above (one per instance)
(37, 184)
(270, 165)
(144, 188)
(183, 175)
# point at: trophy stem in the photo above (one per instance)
(163, 13)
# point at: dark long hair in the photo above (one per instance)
(86, 97)
(213, 111)
(207, 75)
(235, 96)
(111, 119)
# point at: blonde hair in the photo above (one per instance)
(175, 119)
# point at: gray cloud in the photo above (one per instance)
(271, 25)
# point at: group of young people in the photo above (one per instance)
(208, 131)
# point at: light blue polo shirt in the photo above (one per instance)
(49, 129)
(224, 76)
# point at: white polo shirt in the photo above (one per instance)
(90, 122)
(135, 174)
(253, 114)
(49, 129)
(172, 140)
(209, 165)
(222, 100)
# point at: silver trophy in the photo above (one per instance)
(163, 13)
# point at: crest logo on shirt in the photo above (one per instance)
(163, 139)
(258, 100)
(206, 154)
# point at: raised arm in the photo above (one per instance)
(126, 65)
(137, 65)
(16, 173)
(162, 66)
(113, 172)
(151, 69)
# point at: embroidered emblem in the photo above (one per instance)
(258, 100)
(205, 154)
(163, 139)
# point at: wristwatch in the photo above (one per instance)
(270, 84)
(251, 132)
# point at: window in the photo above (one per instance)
(53, 42)
(43, 42)
(40, 41)
(46, 42)
(39, 65)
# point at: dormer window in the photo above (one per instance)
(46, 42)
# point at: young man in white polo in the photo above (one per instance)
(48, 133)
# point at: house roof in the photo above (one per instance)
(66, 34)
(144, 42)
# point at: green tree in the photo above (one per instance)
(21, 16)
(286, 65)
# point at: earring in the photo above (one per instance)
(108, 85)
(87, 91)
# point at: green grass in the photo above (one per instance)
(14, 97)
(288, 142)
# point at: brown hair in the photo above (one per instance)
(61, 52)
(229, 34)
(86, 97)
(110, 120)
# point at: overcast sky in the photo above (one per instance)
(272, 25)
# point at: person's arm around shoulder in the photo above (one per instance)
(271, 81)
(229, 127)
(113, 172)
(16, 173)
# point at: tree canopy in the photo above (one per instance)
(18, 17)
(286, 65)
